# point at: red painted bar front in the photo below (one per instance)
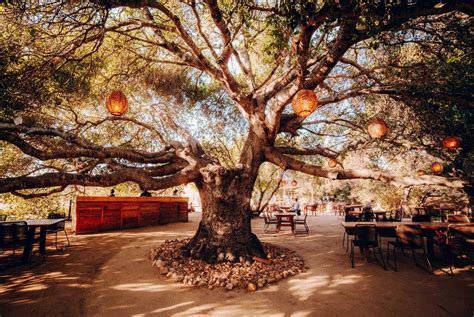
(94, 214)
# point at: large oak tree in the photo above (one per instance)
(249, 59)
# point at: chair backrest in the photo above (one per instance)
(56, 215)
(13, 233)
(421, 218)
(351, 218)
(3, 217)
(410, 235)
(366, 233)
(265, 217)
(458, 219)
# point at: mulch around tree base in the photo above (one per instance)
(281, 263)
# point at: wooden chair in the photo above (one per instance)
(410, 237)
(366, 237)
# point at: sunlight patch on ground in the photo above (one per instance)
(195, 311)
(169, 308)
(142, 287)
(33, 287)
(303, 288)
(303, 313)
(338, 280)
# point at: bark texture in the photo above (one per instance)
(225, 232)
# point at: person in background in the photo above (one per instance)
(112, 193)
(296, 207)
(144, 193)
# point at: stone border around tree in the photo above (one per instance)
(281, 263)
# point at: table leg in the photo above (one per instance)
(42, 242)
(292, 226)
(279, 225)
(430, 246)
(30, 239)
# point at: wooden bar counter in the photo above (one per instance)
(94, 214)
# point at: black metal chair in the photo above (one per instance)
(3, 217)
(349, 231)
(268, 221)
(366, 237)
(410, 237)
(13, 235)
(421, 218)
(301, 222)
(61, 226)
(460, 243)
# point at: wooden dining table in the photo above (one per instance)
(43, 225)
(428, 229)
(285, 219)
(377, 213)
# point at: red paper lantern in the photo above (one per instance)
(304, 102)
(377, 128)
(437, 167)
(420, 172)
(451, 142)
(294, 183)
(117, 103)
(332, 163)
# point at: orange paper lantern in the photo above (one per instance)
(420, 172)
(332, 163)
(377, 128)
(117, 103)
(294, 183)
(437, 167)
(451, 142)
(304, 102)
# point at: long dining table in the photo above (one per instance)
(428, 229)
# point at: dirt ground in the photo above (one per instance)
(109, 274)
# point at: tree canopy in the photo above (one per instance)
(211, 82)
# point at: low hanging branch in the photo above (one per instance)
(277, 158)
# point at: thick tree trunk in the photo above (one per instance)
(225, 232)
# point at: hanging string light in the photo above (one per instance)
(304, 102)
(377, 128)
(451, 142)
(332, 163)
(437, 167)
(420, 172)
(117, 103)
(294, 183)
